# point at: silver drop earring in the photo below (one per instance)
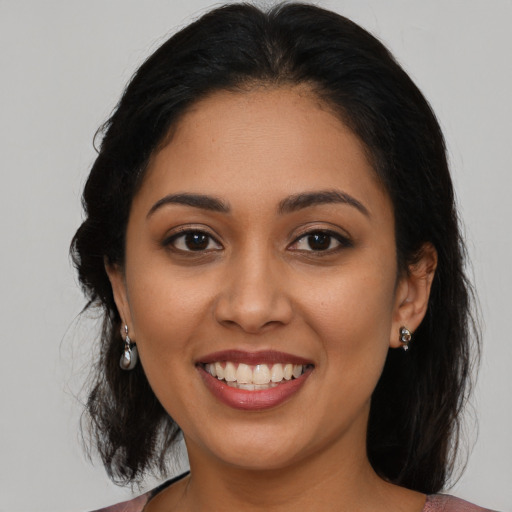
(405, 338)
(130, 356)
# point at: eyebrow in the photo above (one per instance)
(201, 201)
(288, 205)
(308, 199)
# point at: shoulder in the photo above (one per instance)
(138, 504)
(134, 505)
(446, 503)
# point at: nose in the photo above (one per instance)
(254, 295)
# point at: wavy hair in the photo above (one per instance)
(414, 422)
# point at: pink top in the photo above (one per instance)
(446, 503)
(434, 503)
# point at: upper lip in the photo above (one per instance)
(253, 358)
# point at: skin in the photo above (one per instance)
(259, 285)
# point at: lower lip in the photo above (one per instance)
(253, 400)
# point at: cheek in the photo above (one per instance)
(352, 316)
(166, 317)
(353, 303)
(166, 313)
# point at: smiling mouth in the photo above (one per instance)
(254, 377)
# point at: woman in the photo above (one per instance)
(270, 225)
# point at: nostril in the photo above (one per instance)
(253, 314)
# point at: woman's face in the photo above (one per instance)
(261, 238)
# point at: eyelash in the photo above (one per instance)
(171, 241)
(342, 241)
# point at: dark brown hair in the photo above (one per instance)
(415, 412)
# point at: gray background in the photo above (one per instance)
(63, 65)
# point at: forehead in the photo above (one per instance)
(261, 145)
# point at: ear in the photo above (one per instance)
(413, 292)
(117, 281)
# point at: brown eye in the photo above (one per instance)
(319, 241)
(194, 241)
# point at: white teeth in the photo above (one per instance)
(219, 370)
(244, 374)
(297, 370)
(260, 376)
(210, 368)
(277, 373)
(265, 386)
(251, 387)
(230, 372)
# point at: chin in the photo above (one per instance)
(257, 450)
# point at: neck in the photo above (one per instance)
(337, 478)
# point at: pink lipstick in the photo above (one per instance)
(253, 380)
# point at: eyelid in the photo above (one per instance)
(343, 240)
(182, 231)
